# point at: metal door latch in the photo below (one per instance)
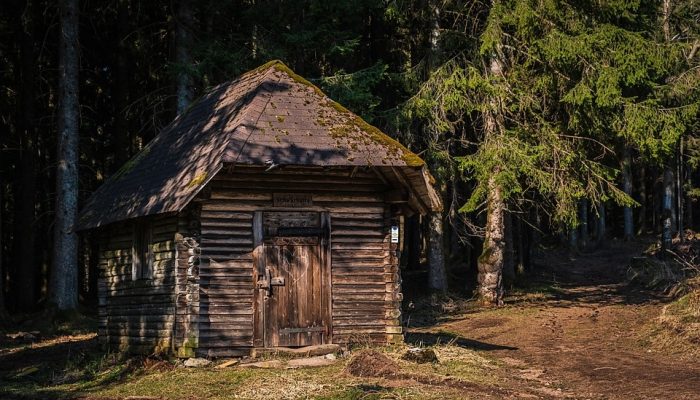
(269, 281)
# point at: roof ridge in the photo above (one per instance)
(245, 114)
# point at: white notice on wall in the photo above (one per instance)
(395, 234)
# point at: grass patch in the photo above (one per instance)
(74, 366)
(678, 326)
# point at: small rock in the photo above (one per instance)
(196, 362)
(263, 364)
(318, 361)
(330, 356)
(420, 355)
(227, 364)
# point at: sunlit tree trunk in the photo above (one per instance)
(490, 264)
(491, 261)
(64, 274)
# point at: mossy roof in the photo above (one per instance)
(268, 115)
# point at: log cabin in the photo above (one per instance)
(266, 215)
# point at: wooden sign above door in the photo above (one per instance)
(292, 200)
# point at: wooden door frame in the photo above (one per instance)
(259, 267)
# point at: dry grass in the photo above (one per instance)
(677, 329)
(50, 369)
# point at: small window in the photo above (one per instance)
(142, 260)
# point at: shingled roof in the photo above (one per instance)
(268, 115)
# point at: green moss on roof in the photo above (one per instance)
(198, 180)
(280, 66)
(394, 146)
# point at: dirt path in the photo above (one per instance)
(585, 343)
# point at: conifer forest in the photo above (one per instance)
(538, 235)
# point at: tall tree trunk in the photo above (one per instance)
(600, 226)
(521, 263)
(437, 278)
(3, 308)
(573, 239)
(509, 259)
(679, 189)
(64, 274)
(627, 187)
(674, 210)
(436, 242)
(183, 44)
(25, 201)
(689, 201)
(666, 214)
(657, 201)
(121, 135)
(490, 264)
(643, 194)
(668, 179)
(583, 227)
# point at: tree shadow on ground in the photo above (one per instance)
(431, 339)
(42, 369)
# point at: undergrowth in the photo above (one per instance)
(677, 275)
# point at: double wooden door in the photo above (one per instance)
(293, 279)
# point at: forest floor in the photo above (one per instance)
(588, 334)
(578, 331)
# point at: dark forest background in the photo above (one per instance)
(544, 122)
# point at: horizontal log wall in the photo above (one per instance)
(137, 315)
(365, 281)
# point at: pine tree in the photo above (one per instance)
(555, 89)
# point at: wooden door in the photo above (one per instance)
(293, 279)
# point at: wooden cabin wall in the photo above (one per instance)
(365, 280)
(137, 315)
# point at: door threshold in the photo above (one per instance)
(296, 352)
